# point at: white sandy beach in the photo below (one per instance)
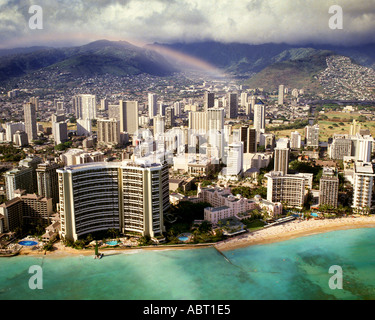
(296, 229)
(276, 233)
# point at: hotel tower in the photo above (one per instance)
(127, 196)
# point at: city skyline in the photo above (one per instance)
(187, 124)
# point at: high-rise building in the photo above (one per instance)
(248, 138)
(30, 121)
(253, 100)
(248, 109)
(19, 178)
(114, 111)
(84, 127)
(363, 179)
(312, 135)
(295, 140)
(234, 159)
(11, 128)
(108, 132)
(169, 117)
(340, 147)
(244, 99)
(152, 105)
(129, 116)
(281, 158)
(60, 132)
(26, 210)
(215, 119)
(269, 141)
(47, 181)
(363, 148)
(104, 104)
(32, 162)
(198, 121)
(288, 189)
(129, 197)
(159, 125)
(232, 105)
(35, 102)
(215, 129)
(161, 108)
(259, 119)
(355, 127)
(329, 188)
(59, 106)
(84, 106)
(209, 100)
(177, 108)
(281, 95)
(20, 139)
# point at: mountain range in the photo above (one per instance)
(264, 65)
(100, 57)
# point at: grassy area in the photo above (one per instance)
(337, 122)
(71, 126)
(254, 224)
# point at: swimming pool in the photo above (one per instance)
(112, 243)
(184, 237)
(28, 243)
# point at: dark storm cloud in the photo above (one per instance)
(248, 21)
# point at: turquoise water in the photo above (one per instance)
(294, 269)
(112, 243)
(183, 238)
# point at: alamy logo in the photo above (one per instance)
(36, 280)
(36, 20)
(335, 282)
(336, 21)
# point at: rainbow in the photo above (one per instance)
(191, 61)
(51, 39)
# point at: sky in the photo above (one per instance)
(75, 22)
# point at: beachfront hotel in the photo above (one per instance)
(290, 189)
(329, 188)
(225, 205)
(127, 196)
(362, 187)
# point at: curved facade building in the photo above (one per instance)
(129, 197)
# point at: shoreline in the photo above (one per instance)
(295, 229)
(278, 233)
(63, 251)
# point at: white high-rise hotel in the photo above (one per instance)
(362, 186)
(234, 159)
(127, 196)
(85, 110)
(259, 119)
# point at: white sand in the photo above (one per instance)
(295, 229)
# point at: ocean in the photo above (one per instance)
(296, 269)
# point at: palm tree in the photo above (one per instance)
(96, 248)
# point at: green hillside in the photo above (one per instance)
(299, 71)
(99, 57)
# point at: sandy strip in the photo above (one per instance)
(278, 233)
(296, 229)
(62, 251)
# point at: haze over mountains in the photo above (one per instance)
(266, 65)
(100, 57)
